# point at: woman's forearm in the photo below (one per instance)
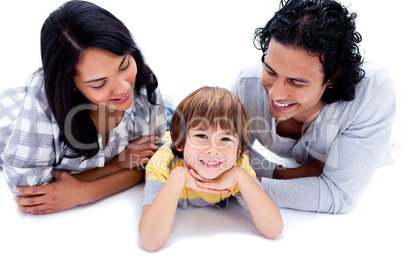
(112, 183)
(97, 173)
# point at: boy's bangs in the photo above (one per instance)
(219, 113)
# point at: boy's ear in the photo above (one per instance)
(179, 148)
(238, 154)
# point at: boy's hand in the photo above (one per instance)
(192, 178)
(228, 179)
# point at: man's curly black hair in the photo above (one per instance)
(323, 27)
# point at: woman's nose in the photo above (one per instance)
(122, 86)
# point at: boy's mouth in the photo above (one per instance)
(211, 164)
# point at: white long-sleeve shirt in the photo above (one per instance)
(352, 138)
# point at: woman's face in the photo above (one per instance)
(293, 80)
(106, 79)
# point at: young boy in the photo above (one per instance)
(204, 166)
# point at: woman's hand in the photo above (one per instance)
(64, 193)
(137, 152)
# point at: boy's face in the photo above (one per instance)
(210, 152)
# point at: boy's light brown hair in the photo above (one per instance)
(211, 106)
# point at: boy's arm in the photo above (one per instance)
(157, 219)
(263, 210)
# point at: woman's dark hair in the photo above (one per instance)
(65, 35)
(322, 27)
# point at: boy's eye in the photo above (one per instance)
(226, 139)
(201, 136)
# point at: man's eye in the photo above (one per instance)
(296, 84)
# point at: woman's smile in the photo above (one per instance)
(122, 99)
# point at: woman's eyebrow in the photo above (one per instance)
(124, 59)
(103, 78)
(95, 80)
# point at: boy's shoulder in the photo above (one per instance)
(245, 163)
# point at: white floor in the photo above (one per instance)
(188, 45)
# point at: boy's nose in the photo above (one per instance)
(213, 150)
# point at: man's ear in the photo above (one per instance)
(332, 80)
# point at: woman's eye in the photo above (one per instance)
(126, 66)
(100, 86)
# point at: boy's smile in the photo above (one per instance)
(210, 152)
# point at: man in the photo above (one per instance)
(313, 101)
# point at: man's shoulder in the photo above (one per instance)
(251, 70)
(376, 79)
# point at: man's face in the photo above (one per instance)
(293, 80)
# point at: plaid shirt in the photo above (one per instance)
(30, 148)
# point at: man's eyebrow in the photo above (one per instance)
(266, 65)
(104, 78)
(301, 80)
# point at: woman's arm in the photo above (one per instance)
(67, 191)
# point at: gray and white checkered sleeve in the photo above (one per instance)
(29, 154)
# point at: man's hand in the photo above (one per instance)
(311, 169)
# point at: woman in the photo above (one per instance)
(89, 117)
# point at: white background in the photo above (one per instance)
(189, 44)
